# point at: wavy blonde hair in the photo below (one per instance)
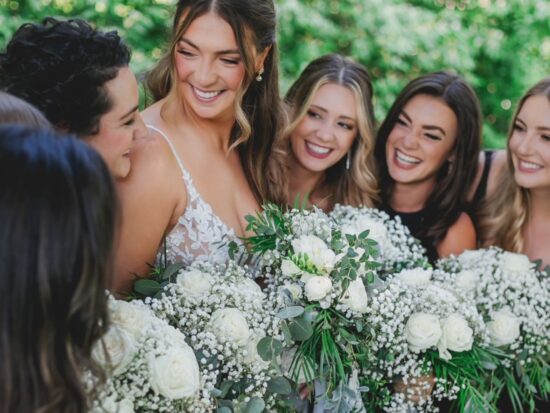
(359, 185)
(504, 214)
(259, 115)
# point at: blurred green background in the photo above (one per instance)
(501, 46)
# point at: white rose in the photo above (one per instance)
(289, 269)
(125, 406)
(175, 375)
(132, 317)
(317, 287)
(294, 290)
(456, 335)
(356, 296)
(514, 263)
(320, 255)
(422, 331)
(195, 282)
(229, 324)
(416, 277)
(504, 328)
(377, 230)
(248, 285)
(114, 350)
(467, 280)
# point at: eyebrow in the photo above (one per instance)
(429, 127)
(541, 128)
(129, 112)
(326, 111)
(228, 51)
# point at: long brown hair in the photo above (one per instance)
(259, 114)
(359, 185)
(504, 213)
(57, 222)
(448, 199)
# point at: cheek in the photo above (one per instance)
(513, 143)
(183, 67)
(347, 141)
(234, 77)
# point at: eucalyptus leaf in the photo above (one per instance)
(255, 405)
(147, 287)
(300, 329)
(223, 409)
(269, 348)
(279, 385)
(290, 312)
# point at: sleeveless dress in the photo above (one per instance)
(199, 235)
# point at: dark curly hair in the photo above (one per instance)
(61, 67)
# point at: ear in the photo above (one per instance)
(260, 59)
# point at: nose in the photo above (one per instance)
(205, 74)
(525, 146)
(141, 130)
(325, 132)
(410, 138)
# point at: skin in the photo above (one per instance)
(419, 144)
(121, 126)
(155, 195)
(323, 137)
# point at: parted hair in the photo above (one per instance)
(57, 222)
(258, 109)
(15, 110)
(359, 185)
(505, 212)
(448, 199)
(61, 67)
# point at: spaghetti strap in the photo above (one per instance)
(171, 145)
(481, 190)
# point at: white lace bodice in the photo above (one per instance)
(199, 233)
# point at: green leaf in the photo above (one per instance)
(170, 271)
(269, 348)
(223, 409)
(290, 312)
(147, 287)
(255, 405)
(279, 385)
(300, 329)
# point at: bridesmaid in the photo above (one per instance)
(216, 115)
(427, 148)
(516, 217)
(57, 223)
(330, 139)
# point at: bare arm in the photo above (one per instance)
(461, 236)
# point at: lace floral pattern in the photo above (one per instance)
(199, 235)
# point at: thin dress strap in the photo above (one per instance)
(171, 145)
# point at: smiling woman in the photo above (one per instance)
(427, 148)
(330, 139)
(79, 78)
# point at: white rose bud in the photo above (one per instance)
(456, 335)
(422, 331)
(514, 263)
(229, 324)
(175, 375)
(416, 277)
(467, 280)
(115, 350)
(504, 328)
(317, 287)
(195, 282)
(356, 298)
(133, 317)
(320, 255)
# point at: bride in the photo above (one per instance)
(215, 117)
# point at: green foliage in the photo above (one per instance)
(501, 47)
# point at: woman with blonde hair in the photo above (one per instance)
(516, 214)
(330, 139)
(216, 115)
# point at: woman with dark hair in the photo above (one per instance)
(330, 139)
(516, 217)
(79, 78)
(15, 110)
(57, 219)
(216, 115)
(427, 148)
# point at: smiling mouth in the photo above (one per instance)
(206, 96)
(317, 151)
(526, 166)
(410, 160)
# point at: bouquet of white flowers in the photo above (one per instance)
(397, 248)
(149, 365)
(514, 299)
(318, 275)
(224, 315)
(428, 344)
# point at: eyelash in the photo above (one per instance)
(129, 122)
(346, 126)
(401, 122)
(433, 137)
(518, 127)
(313, 114)
(231, 61)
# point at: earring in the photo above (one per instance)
(259, 78)
(348, 161)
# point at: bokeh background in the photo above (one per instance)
(501, 47)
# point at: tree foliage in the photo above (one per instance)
(501, 46)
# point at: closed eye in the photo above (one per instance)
(519, 127)
(345, 125)
(401, 121)
(433, 137)
(313, 114)
(546, 137)
(186, 53)
(229, 61)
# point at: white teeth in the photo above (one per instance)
(318, 149)
(406, 158)
(206, 95)
(529, 165)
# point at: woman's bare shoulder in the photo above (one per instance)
(461, 236)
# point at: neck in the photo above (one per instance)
(540, 204)
(410, 197)
(302, 182)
